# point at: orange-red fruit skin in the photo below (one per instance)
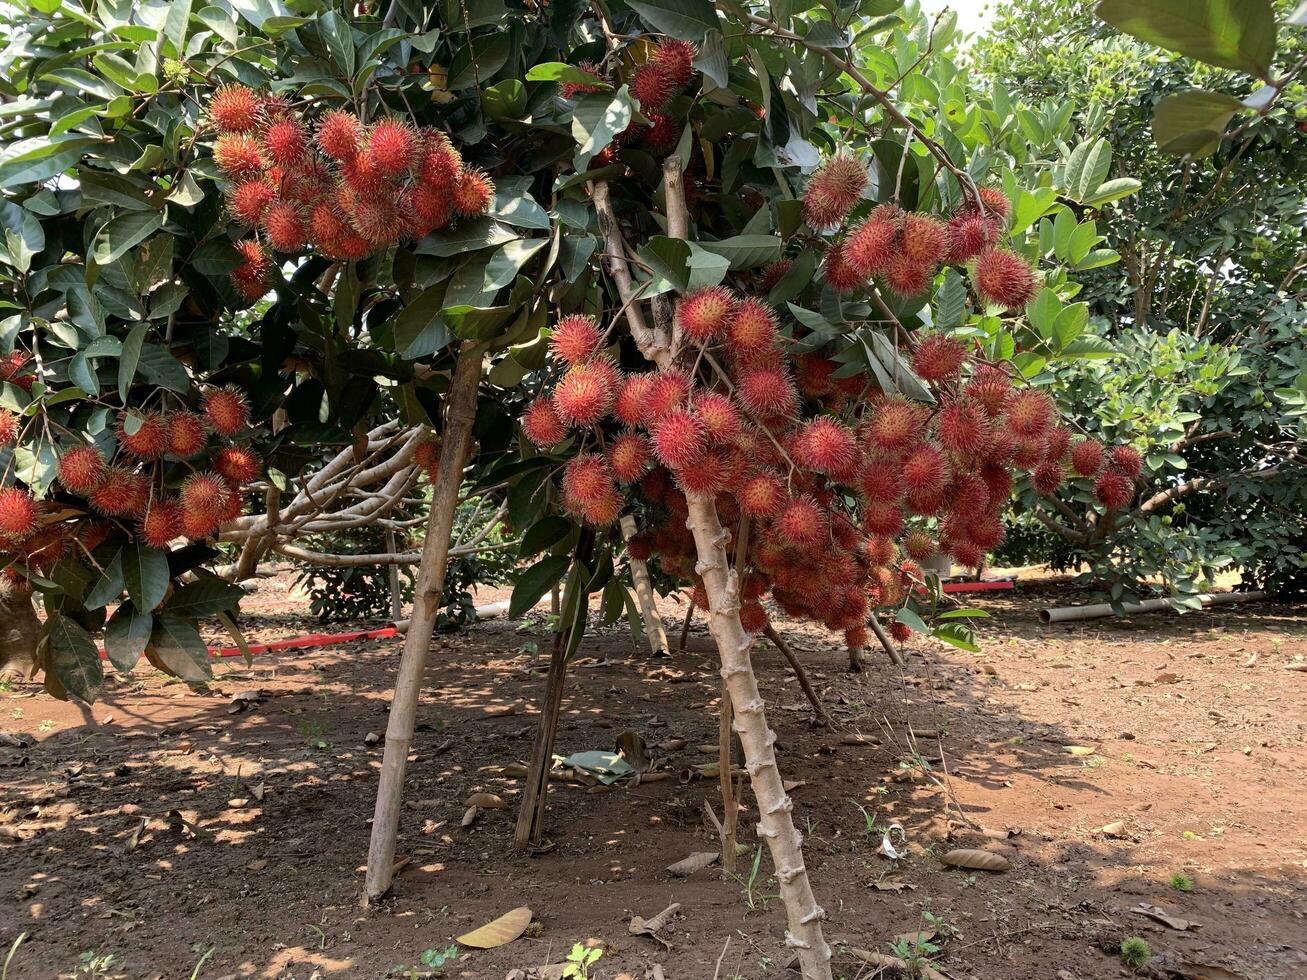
(575, 339)
(227, 411)
(18, 512)
(238, 464)
(234, 108)
(541, 424)
(1005, 278)
(81, 470)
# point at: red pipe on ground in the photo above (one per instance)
(301, 642)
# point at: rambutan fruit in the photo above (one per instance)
(187, 436)
(718, 415)
(81, 470)
(871, 245)
(1057, 443)
(772, 273)
(426, 457)
(254, 259)
(938, 357)
(391, 144)
(640, 546)
(668, 390)
(801, 524)
(987, 531)
(338, 135)
(762, 495)
(676, 58)
(920, 546)
(9, 426)
(583, 397)
(473, 193)
(751, 330)
(706, 477)
(1028, 452)
(1005, 278)
(703, 314)
(895, 423)
(998, 479)
(123, 493)
(840, 275)
(907, 277)
(968, 496)
(629, 456)
(576, 339)
(825, 446)
(234, 108)
(901, 632)
(161, 524)
(237, 155)
(652, 85)
(238, 465)
(879, 481)
(571, 89)
(541, 424)
(1047, 478)
(881, 550)
(654, 486)
(662, 134)
(753, 617)
(833, 191)
(679, 439)
(767, 392)
(1030, 413)
(629, 407)
(996, 203)
(431, 209)
(248, 200)
(150, 438)
(284, 227)
(966, 553)
(969, 235)
(925, 471)
(284, 142)
(1087, 457)
(604, 510)
(204, 499)
(440, 166)
(1125, 459)
(327, 226)
(18, 512)
(227, 411)
(924, 239)
(813, 374)
(586, 478)
(377, 221)
(989, 387)
(882, 518)
(962, 427)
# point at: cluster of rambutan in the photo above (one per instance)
(905, 249)
(654, 84)
(13, 368)
(129, 488)
(847, 488)
(347, 190)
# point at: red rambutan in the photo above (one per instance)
(908, 277)
(707, 477)
(583, 396)
(426, 457)
(996, 203)
(880, 481)
(718, 415)
(473, 193)
(237, 155)
(640, 546)
(882, 518)
(586, 478)
(751, 330)
(963, 427)
(987, 531)
(570, 90)
(833, 191)
(1030, 413)
(186, 434)
(284, 142)
(801, 524)
(9, 426)
(629, 407)
(662, 134)
(541, 424)
(161, 524)
(679, 440)
(227, 411)
(603, 510)
(652, 85)
(896, 423)
(703, 314)
(575, 339)
(204, 500)
(1126, 459)
(1057, 443)
(238, 464)
(870, 246)
(840, 275)
(900, 631)
(920, 546)
(338, 135)
(966, 553)
(925, 471)
(1005, 278)
(391, 144)
(18, 512)
(248, 200)
(441, 166)
(753, 617)
(968, 496)
(938, 357)
(772, 273)
(924, 240)
(81, 470)
(676, 57)
(990, 387)
(767, 392)
(284, 227)
(234, 108)
(1087, 457)
(968, 235)
(825, 446)
(150, 438)
(762, 495)
(668, 390)
(123, 493)
(1047, 478)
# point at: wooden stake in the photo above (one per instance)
(396, 597)
(653, 623)
(797, 666)
(460, 414)
(685, 626)
(885, 641)
(725, 762)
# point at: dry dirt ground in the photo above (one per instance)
(164, 828)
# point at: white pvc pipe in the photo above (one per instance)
(1074, 614)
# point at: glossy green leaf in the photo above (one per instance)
(1238, 34)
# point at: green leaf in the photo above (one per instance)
(76, 660)
(1111, 191)
(130, 358)
(1070, 324)
(506, 100)
(480, 60)
(23, 235)
(178, 648)
(531, 585)
(1042, 312)
(123, 233)
(238, 636)
(39, 158)
(477, 322)
(1097, 258)
(514, 205)
(598, 118)
(418, 329)
(1192, 123)
(145, 575)
(1087, 167)
(687, 19)
(969, 613)
(204, 598)
(558, 71)
(957, 635)
(746, 251)
(951, 300)
(507, 262)
(108, 584)
(544, 534)
(337, 35)
(911, 620)
(669, 258)
(1237, 34)
(126, 636)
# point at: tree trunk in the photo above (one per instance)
(460, 414)
(20, 631)
(653, 623)
(891, 651)
(685, 626)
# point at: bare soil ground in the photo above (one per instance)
(1101, 759)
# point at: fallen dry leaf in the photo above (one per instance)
(469, 816)
(1158, 914)
(695, 862)
(486, 801)
(503, 930)
(914, 938)
(892, 886)
(1114, 829)
(977, 860)
(1079, 750)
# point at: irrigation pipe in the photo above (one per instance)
(1075, 614)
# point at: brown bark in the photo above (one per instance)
(797, 666)
(20, 631)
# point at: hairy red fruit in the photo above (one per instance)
(879, 481)
(227, 411)
(204, 500)
(9, 426)
(718, 415)
(996, 203)
(161, 524)
(473, 193)
(576, 339)
(987, 531)
(772, 273)
(668, 390)
(234, 108)
(966, 553)
(640, 546)
(833, 191)
(968, 236)
(586, 478)
(338, 136)
(813, 374)
(679, 440)
(881, 550)
(1047, 478)
(870, 246)
(855, 638)
(1005, 278)
(652, 85)
(825, 446)
(1057, 443)
(920, 546)
(249, 199)
(426, 456)
(629, 456)
(762, 495)
(253, 277)
(237, 155)
(999, 481)
(391, 145)
(81, 470)
(284, 142)
(630, 407)
(703, 314)
(123, 493)
(706, 477)
(149, 441)
(676, 57)
(570, 90)
(1126, 459)
(18, 513)
(767, 392)
(841, 276)
(753, 617)
(327, 226)
(238, 464)
(968, 496)
(1028, 452)
(900, 631)
(896, 423)
(603, 510)
(284, 227)
(801, 523)
(662, 133)
(751, 330)
(1087, 457)
(882, 518)
(1030, 413)
(541, 424)
(187, 435)
(990, 387)
(924, 240)
(939, 357)
(907, 277)
(925, 471)
(583, 396)
(441, 167)
(963, 427)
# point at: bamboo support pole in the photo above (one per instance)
(802, 674)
